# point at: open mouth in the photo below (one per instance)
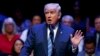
(49, 21)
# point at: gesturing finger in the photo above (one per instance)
(79, 32)
(76, 32)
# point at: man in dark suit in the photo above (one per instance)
(97, 32)
(52, 38)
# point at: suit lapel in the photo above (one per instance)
(57, 34)
(45, 43)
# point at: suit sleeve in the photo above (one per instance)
(69, 48)
(29, 44)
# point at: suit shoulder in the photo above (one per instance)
(82, 53)
(38, 27)
(67, 28)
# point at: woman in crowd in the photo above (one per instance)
(8, 36)
(17, 47)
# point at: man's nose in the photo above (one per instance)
(49, 15)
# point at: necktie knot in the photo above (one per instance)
(51, 27)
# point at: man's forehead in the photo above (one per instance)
(89, 44)
(51, 10)
(97, 19)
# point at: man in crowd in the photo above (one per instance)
(52, 38)
(68, 20)
(97, 32)
(90, 48)
(36, 19)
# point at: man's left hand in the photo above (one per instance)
(76, 38)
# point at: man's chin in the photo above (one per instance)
(49, 23)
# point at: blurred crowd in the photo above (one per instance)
(13, 33)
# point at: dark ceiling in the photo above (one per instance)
(30, 7)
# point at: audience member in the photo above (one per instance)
(8, 36)
(35, 20)
(89, 48)
(17, 47)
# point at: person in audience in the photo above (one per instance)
(19, 19)
(89, 28)
(97, 32)
(35, 20)
(89, 48)
(79, 20)
(17, 47)
(68, 20)
(8, 36)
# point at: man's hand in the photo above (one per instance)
(76, 38)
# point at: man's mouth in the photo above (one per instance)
(49, 20)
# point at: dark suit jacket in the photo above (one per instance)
(37, 40)
(93, 35)
(98, 45)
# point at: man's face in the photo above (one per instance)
(67, 22)
(36, 20)
(52, 16)
(90, 48)
(97, 24)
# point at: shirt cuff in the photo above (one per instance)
(74, 49)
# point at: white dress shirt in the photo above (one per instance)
(54, 30)
(24, 35)
(97, 38)
(80, 46)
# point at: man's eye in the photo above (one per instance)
(97, 23)
(52, 12)
(46, 12)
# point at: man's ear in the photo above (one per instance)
(59, 15)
